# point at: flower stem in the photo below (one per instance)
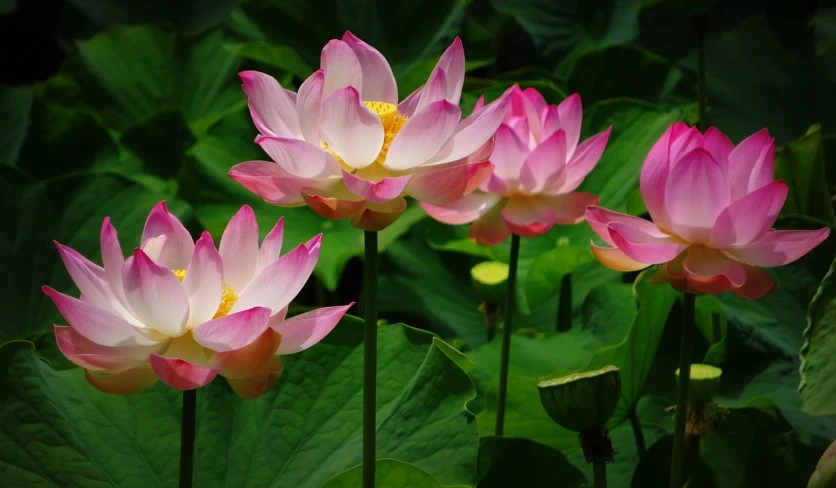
(699, 24)
(187, 429)
(506, 334)
(370, 358)
(564, 307)
(599, 473)
(641, 447)
(678, 454)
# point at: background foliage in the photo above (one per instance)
(108, 107)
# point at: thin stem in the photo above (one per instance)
(564, 306)
(599, 473)
(506, 333)
(699, 23)
(187, 429)
(370, 358)
(693, 458)
(678, 454)
(641, 446)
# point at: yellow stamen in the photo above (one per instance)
(392, 121)
(228, 296)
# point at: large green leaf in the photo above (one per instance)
(508, 461)
(818, 371)
(191, 15)
(388, 472)
(801, 164)
(300, 434)
(130, 74)
(15, 104)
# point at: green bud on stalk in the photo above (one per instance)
(705, 381)
(489, 279)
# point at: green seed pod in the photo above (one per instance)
(489, 279)
(705, 381)
(825, 474)
(582, 401)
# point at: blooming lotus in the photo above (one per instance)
(184, 312)
(344, 146)
(538, 164)
(712, 206)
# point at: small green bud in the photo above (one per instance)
(825, 474)
(582, 401)
(705, 381)
(489, 279)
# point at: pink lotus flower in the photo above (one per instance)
(183, 312)
(538, 164)
(346, 148)
(713, 205)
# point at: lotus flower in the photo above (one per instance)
(346, 148)
(184, 312)
(712, 206)
(538, 164)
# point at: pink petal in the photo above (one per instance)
(764, 170)
(708, 271)
(751, 159)
(179, 245)
(377, 192)
(550, 121)
(473, 132)
(423, 135)
(271, 248)
(155, 296)
(250, 359)
(305, 330)
(93, 356)
(270, 182)
(642, 246)
(509, 153)
(452, 62)
(233, 331)
(480, 102)
(112, 258)
(239, 248)
(600, 218)
(535, 107)
(490, 229)
(408, 105)
(181, 374)
(333, 208)
(447, 183)
(569, 208)
(351, 130)
(654, 175)
(378, 81)
(750, 217)
(684, 140)
(570, 112)
(280, 282)
(341, 67)
(696, 193)
(528, 217)
(464, 210)
(614, 258)
(780, 247)
(521, 128)
(758, 284)
(96, 324)
(129, 381)
(586, 156)
(309, 106)
(378, 216)
(544, 164)
(434, 90)
(299, 158)
(258, 384)
(718, 145)
(204, 281)
(272, 110)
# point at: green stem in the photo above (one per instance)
(678, 454)
(370, 359)
(506, 333)
(694, 459)
(599, 473)
(699, 23)
(187, 429)
(564, 306)
(641, 446)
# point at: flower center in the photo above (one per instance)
(228, 296)
(392, 121)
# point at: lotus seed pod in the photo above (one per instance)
(825, 474)
(582, 401)
(489, 279)
(705, 381)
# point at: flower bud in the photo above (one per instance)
(825, 474)
(582, 401)
(705, 381)
(489, 279)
